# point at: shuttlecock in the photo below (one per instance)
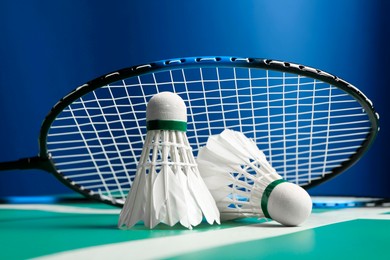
(168, 187)
(244, 184)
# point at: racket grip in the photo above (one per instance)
(27, 163)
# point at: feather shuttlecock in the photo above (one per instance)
(168, 187)
(244, 184)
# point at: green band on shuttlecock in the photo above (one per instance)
(266, 194)
(166, 125)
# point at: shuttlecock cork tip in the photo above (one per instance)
(289, 204)
(166, 111)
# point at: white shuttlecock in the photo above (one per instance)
(168, 187)
(244, 184)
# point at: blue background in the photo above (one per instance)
(48, 48)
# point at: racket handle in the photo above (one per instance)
(28, 163)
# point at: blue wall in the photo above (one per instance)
(47, 48)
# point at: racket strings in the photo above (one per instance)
(305, 127)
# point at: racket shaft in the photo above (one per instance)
(28, 163)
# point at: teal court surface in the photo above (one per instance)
(88, 231)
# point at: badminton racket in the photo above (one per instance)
(310, 124)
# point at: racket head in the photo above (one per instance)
(312, 125)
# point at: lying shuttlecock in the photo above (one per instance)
(244, 184)
(168, 187)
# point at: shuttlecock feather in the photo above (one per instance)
(244, 184)
(168, 187)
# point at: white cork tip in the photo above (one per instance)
(166, 106)
(289, 204)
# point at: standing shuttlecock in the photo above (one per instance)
(244, 184)
(168, 187)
